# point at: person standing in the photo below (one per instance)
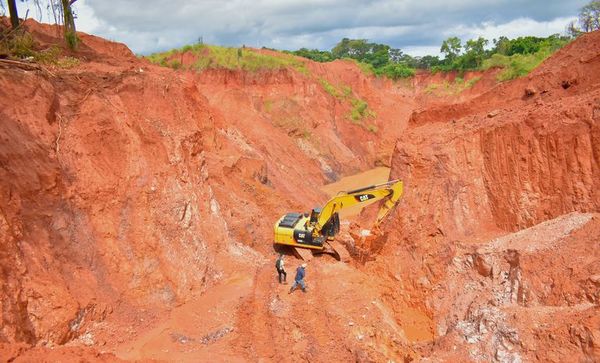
(299, 280)
(280, 266)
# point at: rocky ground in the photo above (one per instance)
(137, 205)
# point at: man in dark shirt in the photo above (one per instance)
(280, 266)
(299, 280)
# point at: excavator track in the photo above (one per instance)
(332, 248)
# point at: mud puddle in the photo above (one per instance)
(366, 178)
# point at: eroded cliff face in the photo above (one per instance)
(502, 171)
(489, 167)
(96, 209)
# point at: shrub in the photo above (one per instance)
(175, 64)
(329, 88)
(395, 71)
(517, 65)
(360, 110)
(19, 45)
(346, 91)
(268, 105)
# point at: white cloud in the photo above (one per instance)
(416, 26)
(422, 50)
(86, 19)
(513, 29)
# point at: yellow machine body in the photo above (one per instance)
(312, 230)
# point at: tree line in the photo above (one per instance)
(385, 60)
(392, 62)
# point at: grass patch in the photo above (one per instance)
(360, 111)
(346, 91)
(21, 45)
(67, 62)
(431, 88)
(517, 65)
(470, 83)
(343, 93)
(175, 64)
(329, 88)
(450, 88)
(366, 68)
(216, 57)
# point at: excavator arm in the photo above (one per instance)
(314, 230)
(390, 191)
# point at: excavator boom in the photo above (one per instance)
(391, 190)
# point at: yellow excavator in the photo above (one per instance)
(312, 230)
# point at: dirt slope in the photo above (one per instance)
(137, 203)
(521, 154)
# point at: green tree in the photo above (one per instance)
(378, 55)
(396, 55)
(351, 48)
(501, 45)
(474, 53)
(427, 61)
(314, 54)
(395, 71)
(588, 21)
(451, 48)
(589, 16)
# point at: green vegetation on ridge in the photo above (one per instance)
(21, 45)
(359, 111)
(517, 56)
(216, 57)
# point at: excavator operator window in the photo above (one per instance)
(314, 215)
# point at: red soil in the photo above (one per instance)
(137, 203)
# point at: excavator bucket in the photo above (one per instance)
(397, 189)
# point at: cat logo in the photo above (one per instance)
(363, 197)
(301, 235)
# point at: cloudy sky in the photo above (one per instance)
(416, 26)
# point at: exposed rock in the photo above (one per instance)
(482, 266)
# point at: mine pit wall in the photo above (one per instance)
(472, 176)
(505, 173)
(86, 217)
(479, 177)
(542, 167)
(318, 121)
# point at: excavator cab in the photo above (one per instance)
(314, 215)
